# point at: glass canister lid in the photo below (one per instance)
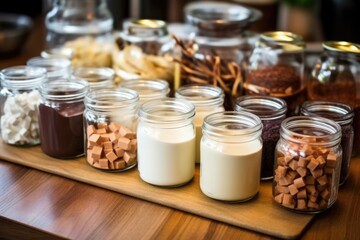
(145, 28)
(218, 15)
(341, 46)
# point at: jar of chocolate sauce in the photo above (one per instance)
(61, 118)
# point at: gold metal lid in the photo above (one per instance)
(287, 40)
(146, 27)
(341, 46)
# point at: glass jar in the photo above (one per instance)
(231, 149)
(166, 142)
(98, 78)
(219, 53)
(72, 19)
(343, 115)
(56, 68)
(336, 77)
(19, 102)
(206, 99)
(110, 122)
(271, 111)
(61, 118)
(147, 89)
(276, 68)
(307, 164)
(145, 51)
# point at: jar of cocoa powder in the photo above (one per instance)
(271, 111)
(307, 164)
(276, 68)
(343, 115)
(61, 117)
(336, 77)
(221, 47)
(110, 121)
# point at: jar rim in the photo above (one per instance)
(232, 124)
(344, 113)
(201, 95)
(342, 46)
(110, 99)
(328, 132)
(155, 88)
(64, 89)
(50, 64)
(22, 77)
(167, 111)
(265, 107)
(93, 74)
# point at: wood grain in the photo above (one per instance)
(260, 214)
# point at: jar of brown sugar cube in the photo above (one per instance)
(307, 164)
(110, 129)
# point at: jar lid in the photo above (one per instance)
(341, 46)
(145, 28)
(217, 15)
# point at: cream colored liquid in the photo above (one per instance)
(166, 157)
(230, 172)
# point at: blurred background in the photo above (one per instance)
(315, 20)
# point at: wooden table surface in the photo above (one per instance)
(38, 205)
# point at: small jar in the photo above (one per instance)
(307, 164)
(276, 68)
(336, 77)
(146, 50)
(271, 111)
(110, 121)
(61, 118)
(147, 89)
(206, 99)
(166, 142)
(231, 149)
(343, 115)
(221, 46)
(56, 68)
(19, 102)
(98, 78)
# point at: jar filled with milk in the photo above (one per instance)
(206, 99)
(166, 142)
(230, 156)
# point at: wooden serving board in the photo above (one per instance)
(260, 214)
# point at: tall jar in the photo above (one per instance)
(56, 68)
(276, 68)
(307, 164)
(231, 149)
(61, 118)
(19, 102)
(147, 89)
(207, 99)
(336, 77)
(110, 121)
(271, 111)
(98, 78)
(222, 44)
(166, 142)
(72, 19)
(145, 51)
(343, 115)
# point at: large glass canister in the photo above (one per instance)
(276, 68)
(343, 115)
(148, 89)
(271, 111)
(19, 102)
(56, 67)
(61, 118)
(231, 149)
(145, 51)
(207, 99)
(166, 142)
(110, 121)
(336, 77)
(98, 78)
(72, 19)
(218, 55)
(307, 164)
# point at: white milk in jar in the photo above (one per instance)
(166, 142)
(231, 149)
(207, 99)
